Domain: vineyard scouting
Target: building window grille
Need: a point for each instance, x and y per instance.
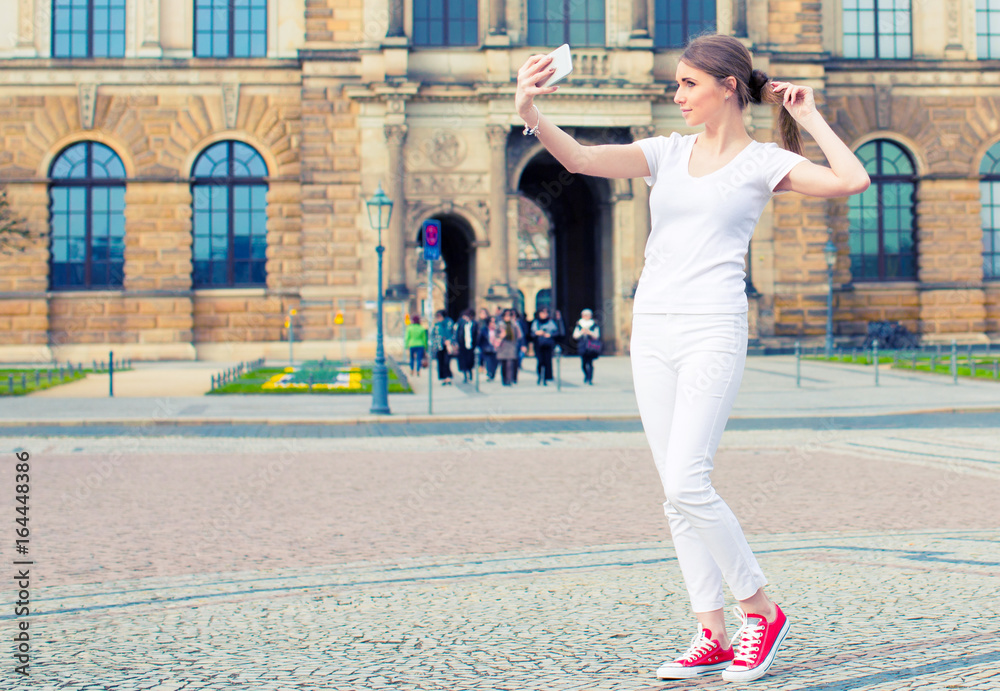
(445, 22)
(881, 219)
(988, 29)
(989, 188)
(230, 28)
(229, 192)
(88, 28)
(678, 21)
(87, 218)
(877, 29)
(576, 22)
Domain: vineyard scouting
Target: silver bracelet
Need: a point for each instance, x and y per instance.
(533, 131)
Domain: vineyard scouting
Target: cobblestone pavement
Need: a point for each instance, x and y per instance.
(497, 560)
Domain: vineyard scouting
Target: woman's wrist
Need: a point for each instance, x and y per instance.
(812, 121)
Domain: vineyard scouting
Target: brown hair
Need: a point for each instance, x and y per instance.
(724, 56)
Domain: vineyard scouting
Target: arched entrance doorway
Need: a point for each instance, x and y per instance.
(581, 242)
(458, 252)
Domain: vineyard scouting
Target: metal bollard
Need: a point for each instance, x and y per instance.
(50, 377)
(479, 364)
(38, 379)
(798, 365)
(310, 382)
(954, 361)
(10, 384)
(996, 369)
(875, 358)
(972, 367)
(111, 374)
(558, 352)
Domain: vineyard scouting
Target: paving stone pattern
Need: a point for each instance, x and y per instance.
(499, 561)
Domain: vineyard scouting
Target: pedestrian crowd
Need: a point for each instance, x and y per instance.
(502, 340)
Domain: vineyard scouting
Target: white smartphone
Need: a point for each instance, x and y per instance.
(562, 61)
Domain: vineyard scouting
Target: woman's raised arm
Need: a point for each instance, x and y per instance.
(605, 160)
(845, 176)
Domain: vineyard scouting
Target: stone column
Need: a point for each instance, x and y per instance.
(640, 19)
(498, 17)
(395, 19)
(497, 135)
(395, 135)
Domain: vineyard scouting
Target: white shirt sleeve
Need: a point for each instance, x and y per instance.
(657, 150)
(778, 164)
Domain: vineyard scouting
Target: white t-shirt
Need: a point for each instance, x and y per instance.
(701, 227)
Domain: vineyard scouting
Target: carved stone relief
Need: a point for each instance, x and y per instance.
(231, 103)
(88, 103)
(445, 184)
(445, 149)
(883, 106)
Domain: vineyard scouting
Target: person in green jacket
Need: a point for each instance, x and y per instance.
(416, 341)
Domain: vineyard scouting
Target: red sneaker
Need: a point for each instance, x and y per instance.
(703, 657)
(755, 645)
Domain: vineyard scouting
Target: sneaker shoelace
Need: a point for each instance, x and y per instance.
(748, 638)
(700, 645)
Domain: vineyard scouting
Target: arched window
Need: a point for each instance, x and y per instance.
(230, 29)
(87, 215)
(882, 232)
(989, 188)
(676, 21)
(445, 22)
(88, 28)
(229, 190)
(576, 22)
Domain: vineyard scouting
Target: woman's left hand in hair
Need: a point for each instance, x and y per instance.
(798, 100)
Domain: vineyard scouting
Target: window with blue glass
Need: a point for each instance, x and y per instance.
(988, 29)
(229, 190)
(989, 197)
(230, 28)
(881, 219)
(87, 218)
(576, 22)
(877, 29)
(677, 21)
(445, 22)
(88, 28)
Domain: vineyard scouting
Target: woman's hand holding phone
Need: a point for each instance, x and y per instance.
(536, 69)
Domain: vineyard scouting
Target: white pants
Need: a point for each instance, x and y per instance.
(687, 370)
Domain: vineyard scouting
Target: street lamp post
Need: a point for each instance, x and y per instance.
(379, 213)
(830, 255)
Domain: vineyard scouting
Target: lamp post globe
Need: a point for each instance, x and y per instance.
(830, 255)
(379, 213)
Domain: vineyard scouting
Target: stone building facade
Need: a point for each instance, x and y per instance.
(335, 97)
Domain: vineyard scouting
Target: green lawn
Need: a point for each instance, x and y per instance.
(328, 378)
(985, 365)
(861, 358)
(29, 379)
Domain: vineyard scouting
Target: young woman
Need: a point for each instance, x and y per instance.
(689, 324)
(544, 330)
(587, 335)
(443, 335)
(416, 341)
(507, 337)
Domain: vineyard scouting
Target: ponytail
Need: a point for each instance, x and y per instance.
(761, 92)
